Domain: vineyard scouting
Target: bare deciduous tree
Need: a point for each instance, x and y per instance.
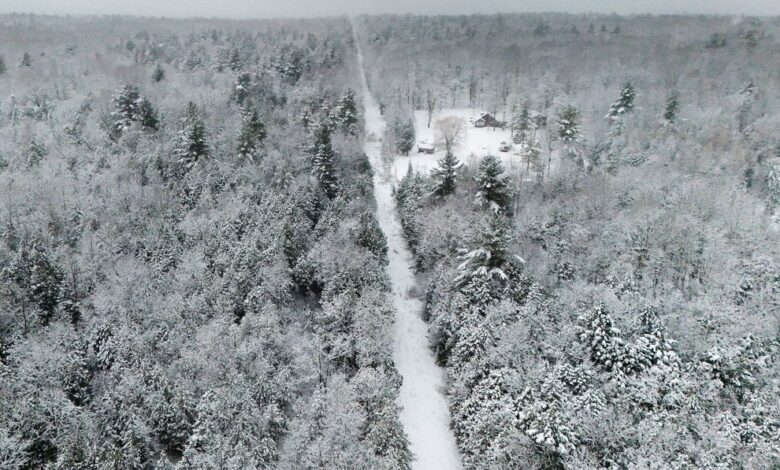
(430, 105)
(449, 131)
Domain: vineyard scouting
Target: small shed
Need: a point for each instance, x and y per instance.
(425, 147)
(486, 120)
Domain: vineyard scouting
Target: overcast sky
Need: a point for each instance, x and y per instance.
(276, 8)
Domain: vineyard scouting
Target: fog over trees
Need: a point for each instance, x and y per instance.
(193, 272)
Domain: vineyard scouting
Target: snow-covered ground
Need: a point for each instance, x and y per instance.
(425, 415)
(475, 144)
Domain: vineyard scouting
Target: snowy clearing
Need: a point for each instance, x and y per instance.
(475, 144)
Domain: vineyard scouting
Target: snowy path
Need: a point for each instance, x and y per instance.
(425, 416)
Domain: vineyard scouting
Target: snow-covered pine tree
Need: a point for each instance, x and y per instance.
(445, 174)
(490, 258)
(323, 160)
(384, 433)
(404, 134)
(36, 152)
(671, 107)
(370, 236)
(522, 123)
(654, 342)
(567, 124)
(624, 104)
(244, 441)
(241, 88)
(486, 416)
(601, 337)
(221, 60)
(191, 144)
(77, 375)
(2, 65)
(251, 136)
(494, 192)
(38, 276)
(75, 129)
(147, 115)
(345, 114)
(126, 104)
(543, 419)
(408, 196)
(234, 60)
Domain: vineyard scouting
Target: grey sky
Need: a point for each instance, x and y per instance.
(276, 8)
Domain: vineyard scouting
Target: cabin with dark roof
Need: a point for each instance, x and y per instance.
(486, 120)
(425, 147)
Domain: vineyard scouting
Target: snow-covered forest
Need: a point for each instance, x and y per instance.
(210, 257)
(615, 303)
(192, 272)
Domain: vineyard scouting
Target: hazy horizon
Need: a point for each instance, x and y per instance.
(248, 9)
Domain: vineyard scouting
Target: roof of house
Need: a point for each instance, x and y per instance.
(424, 145)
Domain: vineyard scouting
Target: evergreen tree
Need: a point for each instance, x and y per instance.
(409, 195)
(38, 277)
(26, 60)
(77, 377)
(370, 236)
(159, 74)
(490, 258)
(2, 65)
(624, 103)
(616, 114)
(404, 134)
(251, 136)
(147, 115)
(521, 123)
(125, 109)
(323, 160)
(492, 183)
(241, 88)
(446, 174)
(672, 107)
(75, 129)
(36, 152)
(568, 127)
(345, 113)
(221, 60)
(191, 144)
(234, 60)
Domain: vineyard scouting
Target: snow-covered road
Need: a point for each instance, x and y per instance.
(425, 415)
